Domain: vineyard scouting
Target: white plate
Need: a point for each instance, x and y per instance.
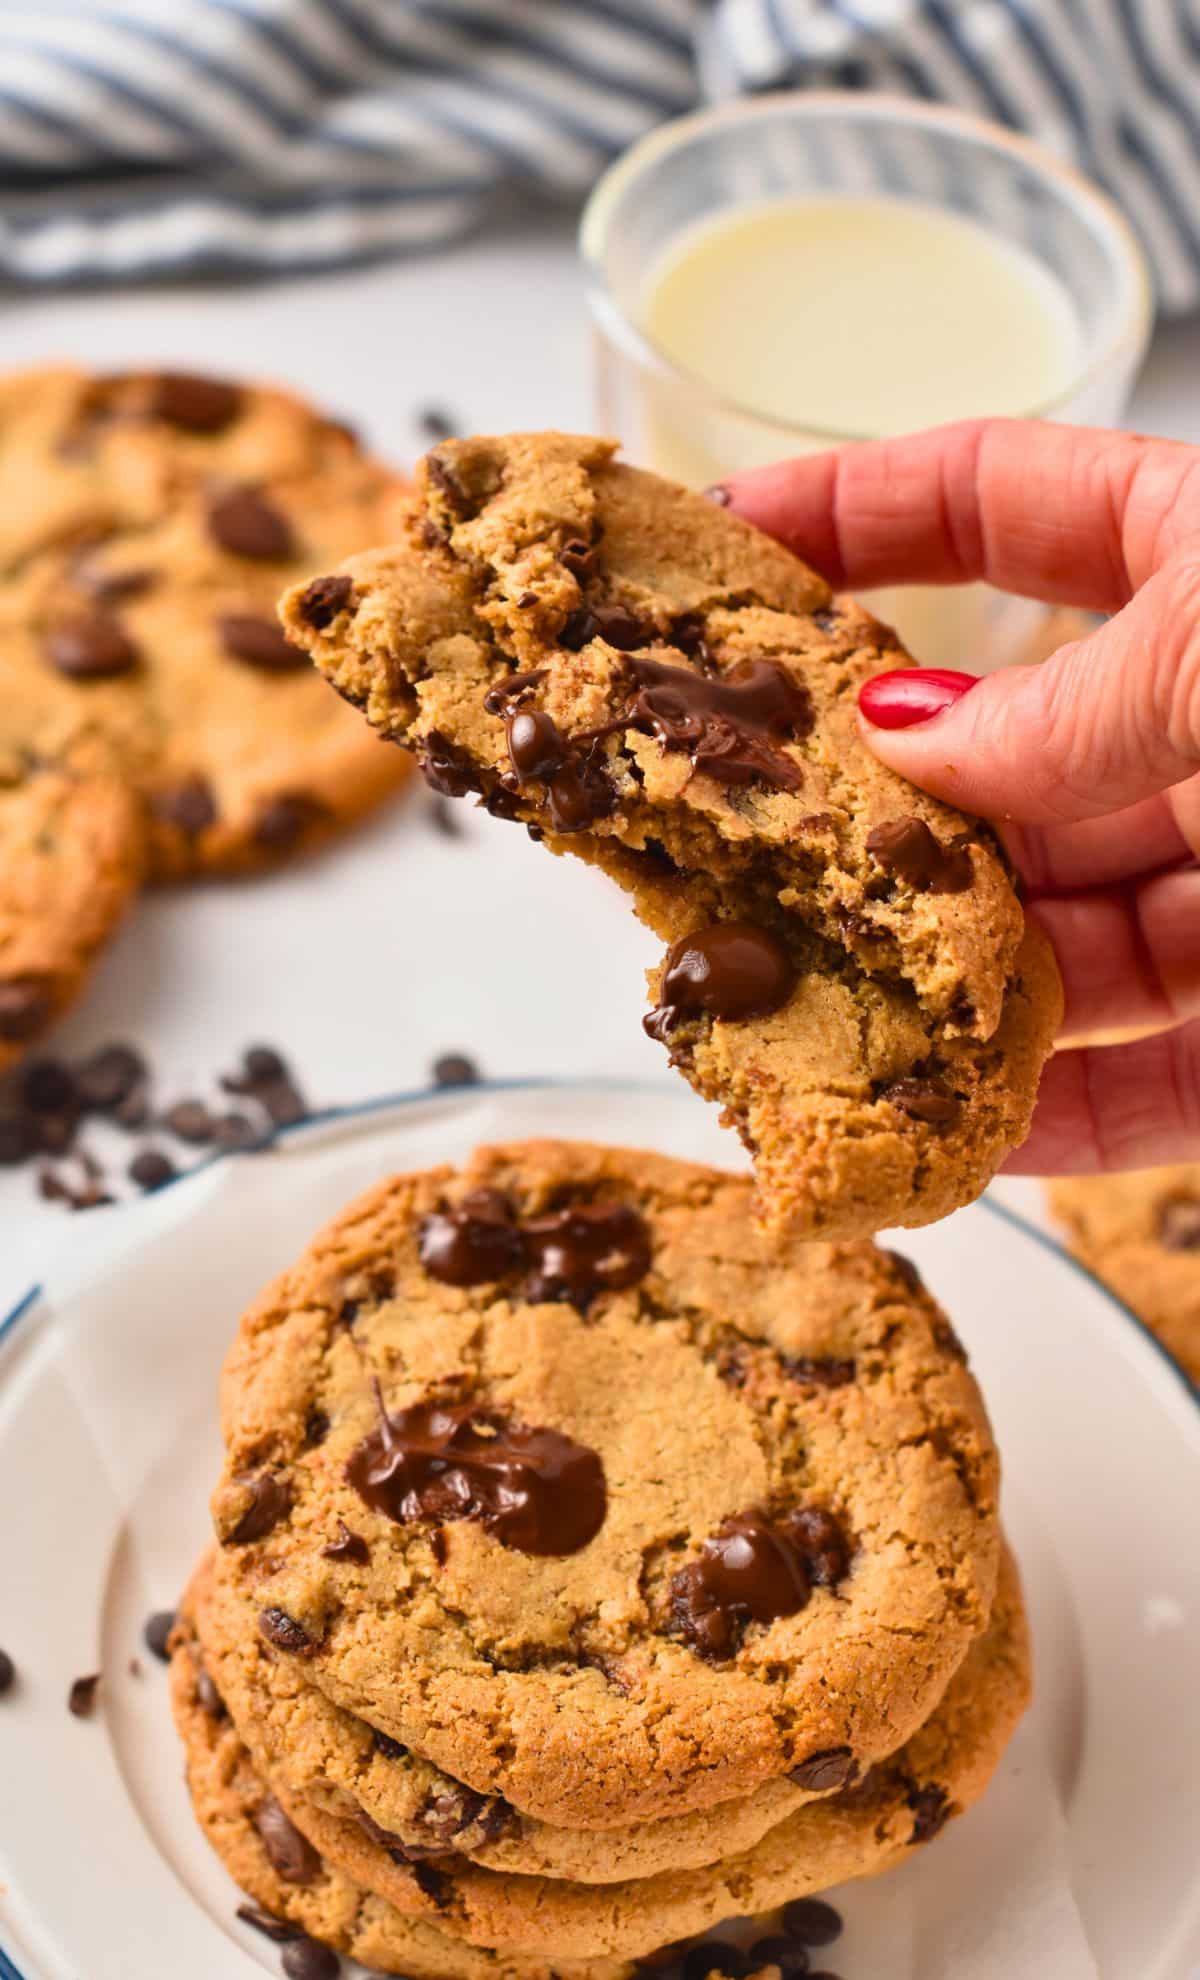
(108, 1448)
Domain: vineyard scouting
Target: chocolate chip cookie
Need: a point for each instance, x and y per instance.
(1140, 1233)
(870, 1826)
(556, 1470)
(157, 517)
(643, 680)
(70, 863)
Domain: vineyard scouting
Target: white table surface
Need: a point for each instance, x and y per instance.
(365, 963)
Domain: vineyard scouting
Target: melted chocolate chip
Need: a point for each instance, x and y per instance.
(755, 1569)
(284, 819)
(259, 643)
(536, 745)
(24, 1008)
(81, 1699)
(245, 523)
(906, 848)
(577, 790)
(835, 1767)
(284, 1631)
(1179, 1224)
(818, 1371)
(92, 648)
(726, 723)
(472, 1244)
(270, 1500)
(156, 1633)
(347, 1547)
(197, 405)
(611, 623)
(446, 768)
(324, 598)
(190, 807)
(499, 698)
(929, 1100)
(291, 1855)
(574, 1253)
(818, 1536)
(535, 1489)
(812, 1922)
(303, 1958)
(731, 970)
(932, 1809)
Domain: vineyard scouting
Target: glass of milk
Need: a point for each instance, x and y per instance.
(780, 275)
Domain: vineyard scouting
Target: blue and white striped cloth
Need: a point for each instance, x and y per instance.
(156, 137)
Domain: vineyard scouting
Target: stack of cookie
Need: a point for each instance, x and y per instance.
(591, 1569)
(154, 720)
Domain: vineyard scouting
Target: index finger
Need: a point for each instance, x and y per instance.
(1066, 514)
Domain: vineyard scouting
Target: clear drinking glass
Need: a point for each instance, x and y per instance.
(820, 144)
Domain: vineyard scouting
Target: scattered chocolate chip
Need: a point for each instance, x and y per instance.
(776, 1950)
(198, 405)
(191, 1121)
(307, 1959)
(260, 643)
(270, 1499)
(455, 1069)
(929, 1100)
(48, 1087)
(190, 806)
(18, 1139)
(208, 1697)
(437, 424)
(150, 1169)
(818, 1371)
(54, 1133)
(277, 1929)
(233, 1131)
(55, 1189)
(284, 819)
(244, 522)
(836, 1767)
(81, 1699)
(1179, 1224)
(932, 1809)
(92, 648)
(109, 1076)
(324, 598)
(347, 1547)
(907, 849)
(24, 1008)
(390, 1748)
(812, 1922)
(291, 1855)
(157, 1629)
(284, 1631)
(8, 1673)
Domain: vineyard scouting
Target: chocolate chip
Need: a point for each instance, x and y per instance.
(818, 1535)
(932, 1809)
(8, 1673)
(455, 1069)
(776, 1950)
(277, 1929)
(109, 1076)
(536, 746)
(198, 405)
(113, 587)
(150, 1169)
(208, 1697)
(347, 1547)
(47, 1087)
(157, 1629)
(247, 524)
(906, 848)
(263, 1063)
(270, 1500)
(307, 1959)
(437, 424)
(434, 1884)
(835, 1767)
(929, 1100)
(284, 1104)
(324, 598)
(24, 1008)
(191, 1121)
(818, 1371)
(284, 819)
(731, 970)
(285, 1632)
(812, 1922)
(316, 1428)
(81, 1699)
(92, 648)
(611, 623)
(1179, 1224)
(260, 643)
(390, 1748)
(291, 1855)
(233, 1131)
(446, 768)
(447, 484)
(578, 558)
(439, 1546)
(190, 806)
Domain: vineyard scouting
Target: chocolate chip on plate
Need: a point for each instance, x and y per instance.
(777, 1950)
(8, 1673)
(155, 1632)
(191, 1121)
(455, 1069)
(150, 1169)
(24, 1008)
(307, 1959)
(812, 1921)
(109, 1076)
(81, 1699)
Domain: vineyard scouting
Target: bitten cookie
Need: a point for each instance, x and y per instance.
(70, 863)
(557, 1471)
(150, 522)
(1140, 1233)
(868, 1828)
(646, 681)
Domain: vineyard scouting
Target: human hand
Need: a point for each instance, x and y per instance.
(1087, 763)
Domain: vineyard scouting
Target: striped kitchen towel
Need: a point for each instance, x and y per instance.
(156, 137)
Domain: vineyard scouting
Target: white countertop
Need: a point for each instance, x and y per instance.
(399, 944)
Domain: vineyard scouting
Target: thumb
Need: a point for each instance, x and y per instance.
(1106, 721)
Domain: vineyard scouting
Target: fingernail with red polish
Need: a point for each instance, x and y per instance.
(912, 694)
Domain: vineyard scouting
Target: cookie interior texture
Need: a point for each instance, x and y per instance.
(647, 682)
(147, 523)
(706, 1373)
(1140, 1234)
